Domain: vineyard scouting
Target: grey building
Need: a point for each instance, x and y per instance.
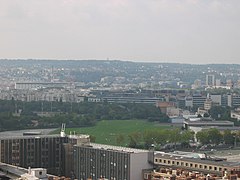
(116, 163)
(206, 165)
(40, 85)
(207, 123)
(210, 80)
(226, 100)
(44, 151)
(236, 100)
(147, 100)
(198, 100)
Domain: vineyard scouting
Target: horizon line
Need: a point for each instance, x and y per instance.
(122, 60)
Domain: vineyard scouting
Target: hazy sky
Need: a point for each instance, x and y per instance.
(189, 31)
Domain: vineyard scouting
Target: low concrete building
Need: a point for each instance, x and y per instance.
(195, 162)
(8, 171)
(207, 123)
(164, 106)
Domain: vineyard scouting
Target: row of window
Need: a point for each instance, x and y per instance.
(188, 164)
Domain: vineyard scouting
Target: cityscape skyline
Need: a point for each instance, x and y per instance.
(147, 89)
(188, 31)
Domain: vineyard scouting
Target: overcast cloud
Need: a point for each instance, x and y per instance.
(186, 31)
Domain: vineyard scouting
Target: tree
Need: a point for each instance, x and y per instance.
(92, 139)
(214, 135)
(120, 139)
(202, 136)
(186, 136)
(175, 136)
(209, 136)
(218, 112)
(162, 136)
(228, 137)
(149, 138)
(134, 139)
(206, 115)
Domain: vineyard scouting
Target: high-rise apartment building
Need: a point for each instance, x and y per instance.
(210, 80)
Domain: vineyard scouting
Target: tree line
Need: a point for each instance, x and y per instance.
(157, 138)
(176, 138)
(216, 137)
(73, 114)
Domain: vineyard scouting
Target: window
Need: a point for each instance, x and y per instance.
(205, 167)
(196, 166)
(191, 165)
(177, 163)
(186, 164)
(215, 168)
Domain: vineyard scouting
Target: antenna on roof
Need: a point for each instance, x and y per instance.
(62, 133)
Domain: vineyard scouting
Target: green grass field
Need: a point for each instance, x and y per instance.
(106, 131)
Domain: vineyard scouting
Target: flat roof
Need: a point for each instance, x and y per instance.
(28, 136)
(18, 171)
(201, 122)
(116, 148)
(198, 160)
(19, 133)
(234, 128)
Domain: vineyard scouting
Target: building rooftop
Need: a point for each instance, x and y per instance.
(15, 172)
(207, 123)
(28, 136)
(116, 148)
(42, 83)
(211, 161)
(26, 131)
(222, 128)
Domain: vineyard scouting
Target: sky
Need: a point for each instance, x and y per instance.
(182, 31)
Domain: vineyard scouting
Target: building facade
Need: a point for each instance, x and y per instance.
(204, 165)
(34, 151)
(210, 80)
(198, 100)
(96, 161)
